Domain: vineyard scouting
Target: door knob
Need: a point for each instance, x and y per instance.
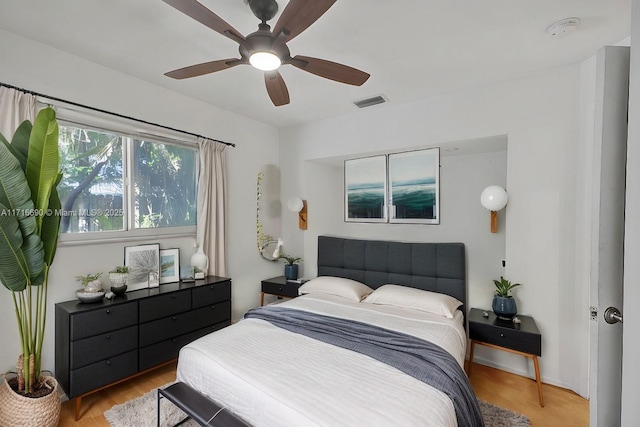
(612, 315)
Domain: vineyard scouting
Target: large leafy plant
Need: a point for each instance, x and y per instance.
(29, 228)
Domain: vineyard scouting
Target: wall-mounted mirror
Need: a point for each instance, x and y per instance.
(268, 211)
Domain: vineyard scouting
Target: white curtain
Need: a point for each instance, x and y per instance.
(15, 108)
(212, 198)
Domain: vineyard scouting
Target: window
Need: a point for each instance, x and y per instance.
(117, 183)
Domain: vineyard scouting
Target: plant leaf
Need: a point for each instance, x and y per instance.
(13, 268)
(43, 159)
(51, 224)
(15, 197)
(20, 143)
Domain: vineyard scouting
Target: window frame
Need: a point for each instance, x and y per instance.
(129, 132)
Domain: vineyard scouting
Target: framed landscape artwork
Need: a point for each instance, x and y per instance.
(144, 266)
(365, 182)
(169, 265)
(414, 187)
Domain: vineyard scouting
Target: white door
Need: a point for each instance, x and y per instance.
(608, 233)
(631, 311)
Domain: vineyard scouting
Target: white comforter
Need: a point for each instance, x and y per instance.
(274, 378)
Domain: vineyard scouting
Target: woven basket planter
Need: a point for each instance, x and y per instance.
(21, 411)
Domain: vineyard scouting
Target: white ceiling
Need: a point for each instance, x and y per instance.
(412, 48)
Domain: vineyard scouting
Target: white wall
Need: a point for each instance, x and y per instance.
(462, 179)
(540, 116)
(36, 67)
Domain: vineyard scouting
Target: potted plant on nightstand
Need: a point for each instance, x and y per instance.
(290, 266)
(29, 225)
(504, 305)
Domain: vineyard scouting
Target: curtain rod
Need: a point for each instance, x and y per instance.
(111, 113)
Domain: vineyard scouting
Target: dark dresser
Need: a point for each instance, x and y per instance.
(103, 343)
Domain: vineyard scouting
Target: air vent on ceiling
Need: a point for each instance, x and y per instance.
(371, 101)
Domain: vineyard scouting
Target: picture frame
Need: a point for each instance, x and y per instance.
(414, 186)
(169, 265)
(365, 189)
(144, 266)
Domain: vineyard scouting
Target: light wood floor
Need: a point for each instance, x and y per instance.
(562, 407)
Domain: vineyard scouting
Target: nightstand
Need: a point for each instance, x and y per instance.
(280, 287)
(524, 340)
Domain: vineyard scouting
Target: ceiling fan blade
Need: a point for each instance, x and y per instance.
(330, 70)
(203, 15)
(204, 68)
(276, 88)
(298, 15)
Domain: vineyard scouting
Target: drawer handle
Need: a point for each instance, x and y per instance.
(173, 297)
(213, 307)
(280, 288)
(173, 318)
(173, 340)
(108, 362)
(108, 311)
(108, 337)
(502, 335)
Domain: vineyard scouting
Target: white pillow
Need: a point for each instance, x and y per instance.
(346, 288)
(416, 299)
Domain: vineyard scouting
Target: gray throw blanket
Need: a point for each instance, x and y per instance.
(421, 359)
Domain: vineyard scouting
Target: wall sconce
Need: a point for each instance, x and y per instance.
(296, 204)
(494, 198)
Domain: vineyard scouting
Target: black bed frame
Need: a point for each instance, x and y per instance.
(436, 267)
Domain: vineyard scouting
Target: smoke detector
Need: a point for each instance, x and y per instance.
(563, 27)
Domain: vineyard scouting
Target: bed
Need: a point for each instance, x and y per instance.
(330, 357)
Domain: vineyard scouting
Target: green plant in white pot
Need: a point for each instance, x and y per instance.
(29, 227)
(118, 277)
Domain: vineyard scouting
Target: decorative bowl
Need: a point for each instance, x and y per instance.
(119, 290)
(89, 297)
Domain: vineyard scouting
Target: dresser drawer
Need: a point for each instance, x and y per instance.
(168, 349)
(211, 294)
(102, 373)
(285, 290)
(90, 350)
(99, 321)
(164, 305)
(173, 326)
(505, 337)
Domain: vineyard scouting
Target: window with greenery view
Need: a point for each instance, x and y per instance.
(97, 165)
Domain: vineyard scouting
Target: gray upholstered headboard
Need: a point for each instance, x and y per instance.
(436, 267)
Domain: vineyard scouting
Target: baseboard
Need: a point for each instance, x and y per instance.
(521, 372)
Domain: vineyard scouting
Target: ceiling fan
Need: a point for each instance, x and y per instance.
(265, 49)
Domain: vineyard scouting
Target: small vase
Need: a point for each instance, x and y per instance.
(200, 260)
(291, 271)
(504, 307)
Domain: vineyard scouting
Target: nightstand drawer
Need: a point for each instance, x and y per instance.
(285, 290)
(505, 337)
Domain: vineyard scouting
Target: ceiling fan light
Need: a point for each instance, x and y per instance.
(265, 61)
